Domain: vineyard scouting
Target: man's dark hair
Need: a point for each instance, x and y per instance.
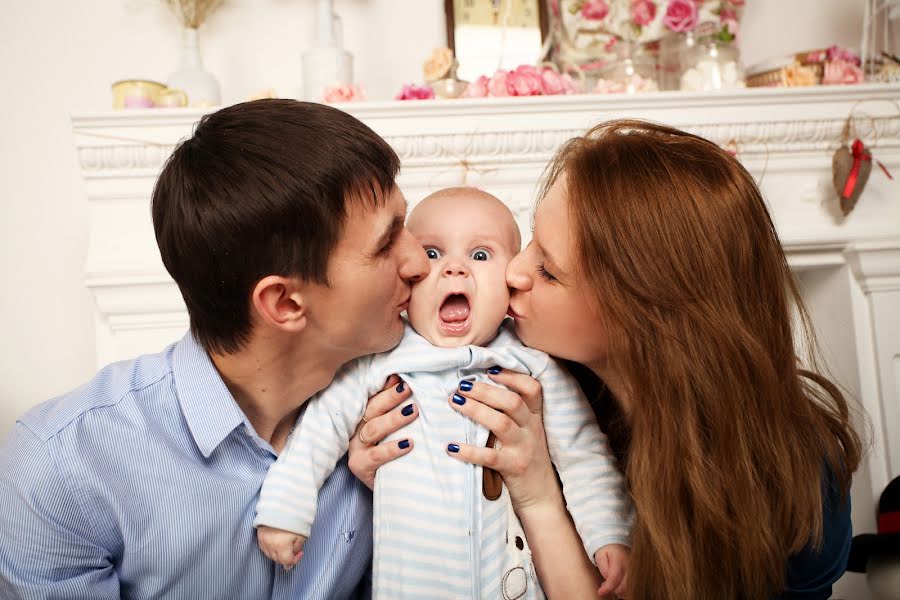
(261, 188)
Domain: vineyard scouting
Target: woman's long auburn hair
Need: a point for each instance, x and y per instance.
(729, 436)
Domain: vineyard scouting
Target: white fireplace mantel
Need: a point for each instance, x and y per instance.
(785, 138)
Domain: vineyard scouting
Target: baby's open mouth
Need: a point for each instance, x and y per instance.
(454, 314)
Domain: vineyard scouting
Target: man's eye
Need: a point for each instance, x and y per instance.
(432, 253)
(480, 254)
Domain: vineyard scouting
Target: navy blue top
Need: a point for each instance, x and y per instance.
(810, 573)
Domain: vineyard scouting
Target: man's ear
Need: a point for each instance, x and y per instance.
(279, 302)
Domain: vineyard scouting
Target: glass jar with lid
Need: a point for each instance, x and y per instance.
(632, 72)
(712, 65)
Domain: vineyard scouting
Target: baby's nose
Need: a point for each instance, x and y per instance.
(455, 269)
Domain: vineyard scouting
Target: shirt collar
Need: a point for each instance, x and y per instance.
(208, 407)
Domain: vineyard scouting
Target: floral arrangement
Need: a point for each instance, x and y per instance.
(524, 80)
(411, 91)
(648, 20)
(343, 92)
(193, 13)
(840, 66)
(439, 64)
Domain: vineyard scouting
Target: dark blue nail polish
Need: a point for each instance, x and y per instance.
(452, 447)
(494, 370)
(465, 386)
(400, 387)
(407, 410)
(459, 399)
(404, 444)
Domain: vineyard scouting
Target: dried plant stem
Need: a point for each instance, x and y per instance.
(193, 13)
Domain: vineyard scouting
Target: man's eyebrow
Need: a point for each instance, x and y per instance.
(392, 228)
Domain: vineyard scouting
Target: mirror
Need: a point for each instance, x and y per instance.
(487, 35)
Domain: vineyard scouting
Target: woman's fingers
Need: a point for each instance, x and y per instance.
(386, 412)
(486, 457)
(484, 414)
(505, 401)
(528, 388)
(377, 428)
(392, 393)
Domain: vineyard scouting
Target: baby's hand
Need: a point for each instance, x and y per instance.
(612, 560)
(282, 546)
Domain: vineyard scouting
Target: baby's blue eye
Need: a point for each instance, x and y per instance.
(480, 254)
(432, 253)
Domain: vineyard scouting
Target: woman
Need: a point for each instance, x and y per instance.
(656, 267)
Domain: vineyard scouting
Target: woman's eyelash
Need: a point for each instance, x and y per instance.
(544, 273)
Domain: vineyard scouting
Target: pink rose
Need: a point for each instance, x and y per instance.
(595, 10)
(497, 85)
(570, 85)
(643, 11)
(838, 53)
(525, 80)
(415, 92)
(841, 72)
(343, 93)
(737, 2)
(681, 15)
(552, 82)
(731, 25)
(727, 14)
(477, 89)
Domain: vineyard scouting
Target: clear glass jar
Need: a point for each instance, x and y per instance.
(712, 65)
(674, 52)
(632, 72)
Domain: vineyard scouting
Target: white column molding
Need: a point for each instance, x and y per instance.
(875, 267)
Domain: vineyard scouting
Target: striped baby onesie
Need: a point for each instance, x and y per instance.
(436, 536)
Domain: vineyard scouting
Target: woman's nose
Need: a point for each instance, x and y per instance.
(517, 276)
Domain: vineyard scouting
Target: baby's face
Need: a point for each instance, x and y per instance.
(470, 237)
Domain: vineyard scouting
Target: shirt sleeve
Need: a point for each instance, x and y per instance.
(593, 486)
(290, 491)
(46, 550)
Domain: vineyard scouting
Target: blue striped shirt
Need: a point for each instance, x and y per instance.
(143, 484)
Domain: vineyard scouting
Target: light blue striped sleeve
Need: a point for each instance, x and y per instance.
(47, 548)
(290, 491)
(593, 486)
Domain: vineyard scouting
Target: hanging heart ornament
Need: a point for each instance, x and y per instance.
(850, 169)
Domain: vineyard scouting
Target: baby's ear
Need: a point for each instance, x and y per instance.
(280, 302)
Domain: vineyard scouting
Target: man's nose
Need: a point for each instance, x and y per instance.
(416, 265)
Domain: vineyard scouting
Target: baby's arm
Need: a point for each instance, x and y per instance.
(593, 487)
(289, 494)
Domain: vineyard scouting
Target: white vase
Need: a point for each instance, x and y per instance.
(326, 63)
(200, 85)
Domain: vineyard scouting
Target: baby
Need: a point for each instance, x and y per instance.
(436, 534)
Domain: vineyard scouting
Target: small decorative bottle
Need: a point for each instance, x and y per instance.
(200, 86)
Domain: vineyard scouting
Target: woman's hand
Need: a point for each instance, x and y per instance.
(384, 415)
(515, 416)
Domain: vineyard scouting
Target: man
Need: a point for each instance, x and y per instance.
(281, 223)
